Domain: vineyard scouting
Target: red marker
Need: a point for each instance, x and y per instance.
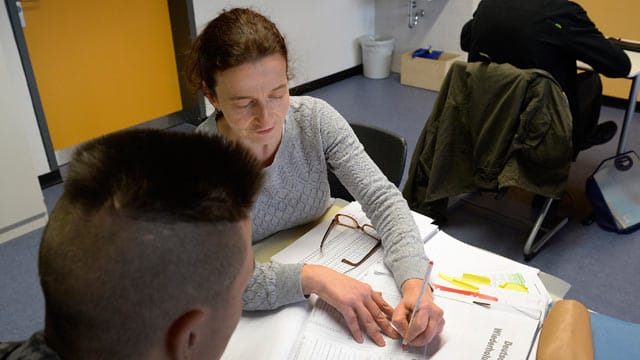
(465, 292)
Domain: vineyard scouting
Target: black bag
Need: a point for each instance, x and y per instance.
(614, 193)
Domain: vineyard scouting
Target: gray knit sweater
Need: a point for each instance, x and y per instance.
(296, 191)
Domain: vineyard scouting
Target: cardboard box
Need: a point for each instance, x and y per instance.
(426, 73)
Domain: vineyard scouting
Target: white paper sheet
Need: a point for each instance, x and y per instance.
(267, 334)
(288, 333)
(343, 243)
(471, 332)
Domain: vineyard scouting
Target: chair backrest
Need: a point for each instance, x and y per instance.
(386, 149)
(492, 126)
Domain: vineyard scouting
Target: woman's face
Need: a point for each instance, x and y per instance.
(254, 100)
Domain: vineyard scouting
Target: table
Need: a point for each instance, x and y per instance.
(271, 334)
(634, 76)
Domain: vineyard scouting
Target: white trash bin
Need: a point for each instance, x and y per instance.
(376, 55)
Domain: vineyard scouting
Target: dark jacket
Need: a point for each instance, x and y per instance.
(549, 35)
(541, 34)
(35, 348)
(492, 126)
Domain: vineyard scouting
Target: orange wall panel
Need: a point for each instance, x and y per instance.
(101, 66)
(617, 19)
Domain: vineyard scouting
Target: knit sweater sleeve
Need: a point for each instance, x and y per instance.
(272, 285)
(380, 199)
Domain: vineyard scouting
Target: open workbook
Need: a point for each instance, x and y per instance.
(474, 330)
(509, 306)
(343, 242)
(493, 306)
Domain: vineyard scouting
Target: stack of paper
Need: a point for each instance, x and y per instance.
(501, 325)
(343, 242)
(498, 320)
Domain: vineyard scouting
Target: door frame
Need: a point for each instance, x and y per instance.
(18, 34)
(183, 31)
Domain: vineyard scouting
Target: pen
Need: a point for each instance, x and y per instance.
(481, 303)
(425, 283)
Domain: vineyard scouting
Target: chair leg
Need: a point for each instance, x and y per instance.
(538, 234)
(535, 242)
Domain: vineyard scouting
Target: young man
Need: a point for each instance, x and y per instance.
(550, 35)
(148, 251)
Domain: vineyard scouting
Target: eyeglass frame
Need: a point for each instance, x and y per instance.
(336, 221)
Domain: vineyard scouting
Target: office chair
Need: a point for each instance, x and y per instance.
(494, 126)
(386, 149)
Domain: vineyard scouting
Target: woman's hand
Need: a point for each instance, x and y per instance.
(358, 303)
(428, 321)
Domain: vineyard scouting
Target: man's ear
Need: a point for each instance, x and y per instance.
(184, 334)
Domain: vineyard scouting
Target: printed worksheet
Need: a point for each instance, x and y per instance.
(498, 319)
(474, 330)
(343, 243)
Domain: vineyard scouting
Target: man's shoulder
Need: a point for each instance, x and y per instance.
(35, 348)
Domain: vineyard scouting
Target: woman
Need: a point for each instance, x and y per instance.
(240, 61)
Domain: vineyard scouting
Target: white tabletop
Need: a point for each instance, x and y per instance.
(634, 56)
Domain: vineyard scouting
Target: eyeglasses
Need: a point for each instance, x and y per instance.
(350, 222)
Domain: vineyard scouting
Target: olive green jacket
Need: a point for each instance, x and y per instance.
(492, 126)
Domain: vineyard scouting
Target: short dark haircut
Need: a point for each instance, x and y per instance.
(233, 38)
(147, 226)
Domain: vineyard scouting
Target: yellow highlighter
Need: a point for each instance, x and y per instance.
(476, 279)
(459, 282)
(514, 287)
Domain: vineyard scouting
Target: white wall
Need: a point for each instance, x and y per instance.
(440, 27)
(22, 207)
(321, 35)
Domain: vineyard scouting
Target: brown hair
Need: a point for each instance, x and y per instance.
(235, 37)
(149, 224)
